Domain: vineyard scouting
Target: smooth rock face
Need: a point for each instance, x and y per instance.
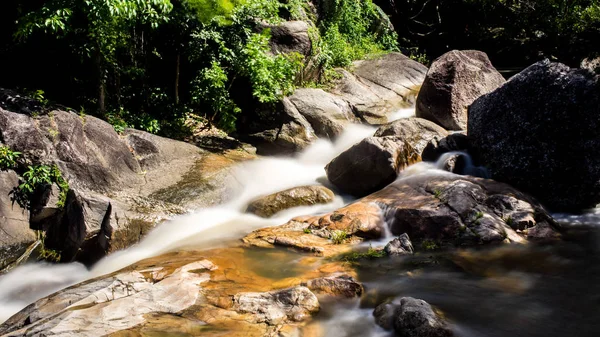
(453, 82)
(370, 165)
(411, 317)
(104, 306)
(326, 113)
(342, 285)
(540, 132)
(399, 246)
(15, 234)
(268, 205)
(417, 132)
(293, 304)
(291, 36)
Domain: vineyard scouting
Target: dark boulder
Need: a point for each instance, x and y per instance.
(370, 165)
(453, 82)
(291, 36)
(540, 132)
(399, 246)
(411, 317)
(417, 132)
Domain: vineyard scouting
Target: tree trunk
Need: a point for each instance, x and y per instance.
(177, 70)
(101, 85)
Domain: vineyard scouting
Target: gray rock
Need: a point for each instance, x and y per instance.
(416, 318)
(370, 165)
(15, 234)
(283, 131)
(540, 133)
(417, 132)
(291, 36)
(591, 64)
(456, 142)
(453, 82)
(326, 113)
(276, 307)
(399, 246)
(268, 205)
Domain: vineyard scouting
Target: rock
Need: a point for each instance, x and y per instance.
(326, 113)
(417, 132)
(393, 71)
(15, 234)
(268, 205)
(276, 307)
(399, 246)
(591, 64)
(12, 101)
(107, 305)
(370, 165)
(342, 285)
(540, 133)
(440, 209)
(84, 231)
(456, 142)
(453, 82)
(412, 317)
(291, 36)
(282, 131)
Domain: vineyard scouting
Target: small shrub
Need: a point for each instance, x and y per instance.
(429, 245)
(37, 176)
(338, 237)
(437, 194)
(8, 158)
(370, 254)
(307, 231)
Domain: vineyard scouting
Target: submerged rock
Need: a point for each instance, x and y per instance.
(540, 132)
(268, 205)
(342, 285)
(453, 82)
(411, 317)
(370, 165)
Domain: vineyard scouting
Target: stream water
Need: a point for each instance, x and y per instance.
(529, 290)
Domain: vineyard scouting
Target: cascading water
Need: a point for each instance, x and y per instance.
(204, 228)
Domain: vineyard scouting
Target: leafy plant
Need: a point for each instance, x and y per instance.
(370, 254)
(8, 158)
(37, 176)
(429, 244)
(45, 253)
(338, 237)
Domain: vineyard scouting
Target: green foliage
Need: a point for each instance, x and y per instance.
(40, 96)
(429, 245)
(349, 32)
(509, 221)
(45, 253)
(38, 176)
(437, 193)
(272, 76)
(338, 237)
(370, 254)
(8, 158)
(307, 231)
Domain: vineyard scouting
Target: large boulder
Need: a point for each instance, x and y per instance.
(326, 113)
(291, 36)
(417, 132)
(282, 131)
(411, 317)
(15, 234)
(540, 132)
(370, 165)
(453, 82)
(268, 205)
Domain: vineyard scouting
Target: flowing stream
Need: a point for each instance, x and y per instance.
(513, 290)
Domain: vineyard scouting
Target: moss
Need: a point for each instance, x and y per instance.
(429, 245)
(130, 234)
(370, 254)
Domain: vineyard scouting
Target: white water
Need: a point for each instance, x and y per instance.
(205, 228)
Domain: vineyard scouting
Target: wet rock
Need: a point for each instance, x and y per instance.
(370, 165)
(268, 205)
(411, 317)
(342, 285)
(456, 142)
(542, 127)
(104, 306)
(453, 82)
(360, 219)
(276, 307)
(417, 132)
(399, 246)
(591, 64)
(290, 36)
(15, 233)
(326, 113)
(439, 209)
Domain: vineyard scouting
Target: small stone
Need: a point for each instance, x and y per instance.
(399, 246)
